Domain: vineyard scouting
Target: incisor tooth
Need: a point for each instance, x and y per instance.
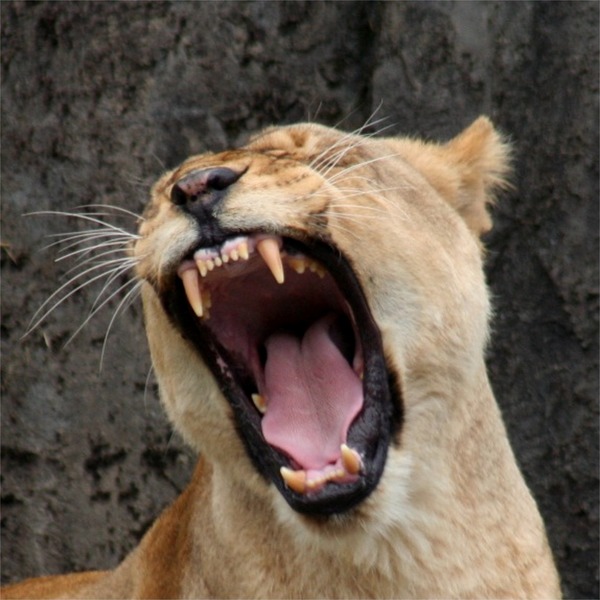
(243, 250)
(268, 248)
(210, 265)
(260, 403)
(218, 261)
(193, 291)
(350, 460)
(234, 255)
(295, 480)
(202, 267)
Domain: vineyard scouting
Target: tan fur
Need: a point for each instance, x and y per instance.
(452, 516)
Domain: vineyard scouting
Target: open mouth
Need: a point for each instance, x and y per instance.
(286, 330)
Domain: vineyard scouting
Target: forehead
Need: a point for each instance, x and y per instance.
(280, 148)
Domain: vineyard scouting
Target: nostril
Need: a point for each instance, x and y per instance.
(178, 196)
(198, 185)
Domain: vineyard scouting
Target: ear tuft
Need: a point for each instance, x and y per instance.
(481, 160)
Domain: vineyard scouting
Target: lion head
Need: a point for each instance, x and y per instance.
(308, 294)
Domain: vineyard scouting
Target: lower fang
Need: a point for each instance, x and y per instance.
(260, 403)
(295, 480)
(351, 460)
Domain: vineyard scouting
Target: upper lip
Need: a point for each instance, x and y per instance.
(209, 275)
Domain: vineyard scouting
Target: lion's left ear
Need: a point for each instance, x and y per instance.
(480, 159)
(466, 171)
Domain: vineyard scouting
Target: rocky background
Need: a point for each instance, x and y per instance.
(98, 98)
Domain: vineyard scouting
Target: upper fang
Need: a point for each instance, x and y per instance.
(193, 291)
(268, 248)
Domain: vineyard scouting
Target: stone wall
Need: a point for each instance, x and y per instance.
(98, 98)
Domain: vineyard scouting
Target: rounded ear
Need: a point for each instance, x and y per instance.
(466, 172)
(481, 160)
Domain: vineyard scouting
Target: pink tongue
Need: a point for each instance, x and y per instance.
(312, 395)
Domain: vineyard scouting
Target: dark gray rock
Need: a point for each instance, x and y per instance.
(98, 98)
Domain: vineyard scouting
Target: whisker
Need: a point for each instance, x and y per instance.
(103, 263)
(83, 236)
(68, 235)
(83, 217)
(97, 308)
(147, 384)
(130, 297)
(359, 207)
(87, 249)
(115, 208)
(109, 282)
(36, 320)
(358, 138)
(74, 244)
(351, 168)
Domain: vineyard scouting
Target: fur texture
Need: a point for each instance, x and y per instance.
(451, 515)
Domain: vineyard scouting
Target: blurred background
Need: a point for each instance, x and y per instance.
(98, 98)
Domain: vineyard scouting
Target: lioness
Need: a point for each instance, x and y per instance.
(317, 317)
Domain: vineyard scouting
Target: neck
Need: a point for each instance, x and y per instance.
(450, 478)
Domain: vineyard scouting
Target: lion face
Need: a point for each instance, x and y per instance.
(304, 293)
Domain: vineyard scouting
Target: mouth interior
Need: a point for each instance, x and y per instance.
(284, 341)
(312, 392)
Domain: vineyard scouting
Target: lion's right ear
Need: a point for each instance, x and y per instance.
(481, 160)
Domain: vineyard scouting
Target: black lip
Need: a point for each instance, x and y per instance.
(371, 431)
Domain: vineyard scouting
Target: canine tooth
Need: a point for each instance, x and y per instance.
(295, 480)
(202, 267)
(260, 403)
(193, 291)
(268, 248)
(350, 460)
(243, 250)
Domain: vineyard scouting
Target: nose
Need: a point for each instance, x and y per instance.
(200, 191)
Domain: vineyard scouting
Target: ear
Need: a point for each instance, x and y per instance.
(481, 160)
(466, 171)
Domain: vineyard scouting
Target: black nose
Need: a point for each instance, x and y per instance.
(201, 190)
